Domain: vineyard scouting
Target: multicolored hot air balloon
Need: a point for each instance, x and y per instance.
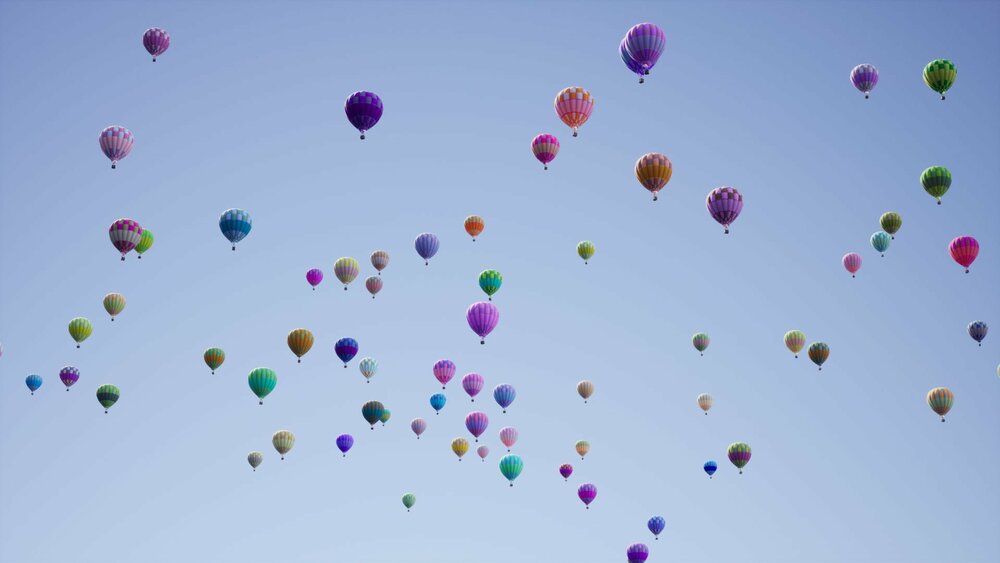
(380, 259)
(940, 399)
(705, 402)
(653, 170)
(585, 389)
(346, 349)
(156, 41)
(631, 63)
(724, 205)
(710, 467)
(545, 147)
(574, 106)
(818, 353)
(346, 269)
(482, 317)
(145, 243)
(490, 282)
(368, 367)
(300, 341)
(314, 277)
(508, 436)
(964, 250)
(476, 423)
(586, 250)
(936, 181)
(235, 225)
(427, 246)
(255, 458)
(114, 303)
(939, 75)
(511, 466)
(214, 358)
(438, 401)
(418, 426)
(386, 415)
(372, 412)
(344, 443)
(795, 341)
(656, 524)
(409, 499)
(116, 142)
(566, 470)
(891, 222)
(644, 43)
(880, 242)
(444, 370)
(864, 77)
(374, 285)
(637, 553)
(460, 446)
(852, 262)
(108, 395)
(700, 341)
(474, 225)
(125, 234)
(978, 330)
(504, 394)
(582, 447)
(482, 452)
(262, 381)
(69, 375)
(283, 440)
(34, 382)
(587, 493)
(473, 383)
(739, 455)
(363, 110)
(80, 329)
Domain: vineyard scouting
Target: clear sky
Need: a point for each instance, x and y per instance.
(245, 110)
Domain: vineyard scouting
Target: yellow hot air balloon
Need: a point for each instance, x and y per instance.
(80, 329)
(300, 341)
(585, 388)
(582, 447)
(460, 446)
(795, 341)
(653, 170)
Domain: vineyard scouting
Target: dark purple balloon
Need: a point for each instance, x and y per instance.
(314, 276)
(566, 470)
(427, 246)
(483, 318)
(344, 443)
(724, 204)
(346, 349)
(363, 110)
(587, 493)
(156, 41)
(637, 553)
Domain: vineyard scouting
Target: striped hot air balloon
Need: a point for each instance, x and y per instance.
(474, 225)
(460, 446)
(372, 412)
(795, 341)
(374, 285)
(653, 170)
(582, 447)
(368, 367)
(314, 277)
(283, 441)
(504, 394)
(508, 436)
(214, 358)
(818, 353)
(344, 443)
(80, 329)
(739, 455)
(587, 493)
(637, 553)
(116, 143)
(443, 371)
(125, 234)
(864, 77)
(978, 330)
(644, 43)
(409, 499)
(940, 399)
(586, 250)
(482, 317)
(418, 426)
(472, 384)
(255, 458)
(380, 259)
(566, 470)
(427, 245)
(511, 467)
(108, 395)
(300, 341)
(936, 181)
(476, 423)
(482, 452)
(573, 106)
(880, 242)
(490, 282)
(114, 303)
(34, 382)
(145, 243)
(346, 349)
(852, 263)
(585, 389)
(964, 250)
(346, 269)
(262, 381)
(939, 75)
(705, 402)
(156, 41)
(700, 341)
(545, 147)
(891, 222)
(235, 225)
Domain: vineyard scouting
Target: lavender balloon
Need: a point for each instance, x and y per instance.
(314, 277)
(363, 110)
(473, 383)
(427, 246)
(724, 204)
(637, 553)
(344, 443)
(644, 43)
(483, 318)
(864, 77)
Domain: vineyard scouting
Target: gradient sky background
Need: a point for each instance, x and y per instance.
(245, 110)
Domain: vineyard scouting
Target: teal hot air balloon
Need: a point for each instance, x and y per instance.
(511, 466)
(262, 381)
(880, 242)
(490, 282)
(409, 499)
(372, 412)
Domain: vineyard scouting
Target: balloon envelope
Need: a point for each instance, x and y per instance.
(864, 77)
(482, 318)
(363, 110)
(156, 41)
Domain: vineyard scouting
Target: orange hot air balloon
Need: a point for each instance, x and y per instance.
(653, 170)
(474, 225)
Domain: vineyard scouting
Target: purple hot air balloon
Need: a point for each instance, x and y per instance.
(630, 62)
(344, 443)
(473, 384)
(724, 204)
(504, 394)
(116, 142)
(418, 425)
(314, 277)
(476, 423)
(156, 41)
(427, 246)
(644, 43)
(346, 349)
(864, 77)
(125, 234)
(69, 375)
(637, 553)
(483, 318)
(566, 470)
(587, 493)
(444, 370)
(363, 110)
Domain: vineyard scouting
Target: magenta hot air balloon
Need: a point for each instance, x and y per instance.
(476, 423)
(637, 553)
(418, 425)
(125, 234)
(964, 250)
(483, 318)
(116, 142)
(156, 41)
(473, 383)
(314, 277)
(545, 147)
(444, 370)
(852, 262)
(566, 470)
(508, 436)
(724, 205)
(587, 493)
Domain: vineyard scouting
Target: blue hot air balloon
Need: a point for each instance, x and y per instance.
(711, 467)
(504, 395)
(346, 349)
(656, 525)
(427, 246)
(978, 330)
(235, 225)
(437, 402)
(33, 381)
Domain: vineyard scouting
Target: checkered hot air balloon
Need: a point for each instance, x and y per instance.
(574, 106)
(116, 142)
(69, 375)
(235, 225)
(964, 251)
(978, 330)
(125, 234)
(724, 205)
(653, 170)
(156, 41)
(864, 77)
(637, 553)
(363, 110)
(545, 147)
(939, 75)
(566, 470)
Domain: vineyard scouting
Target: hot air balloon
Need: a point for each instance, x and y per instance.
(33, 381)
(283, 440)
(545, 148)
(145, 243)
(936, 181)
(476, 423)
(314, 277)
(344, 443)
(964, 251)
(739, 455)
(125, 234)
(346, 349)
(818, 353)
(880, 242)
(566, 470)
(978, 330)
(108, 395)
(444, 370)
(363, 110)
(262, 381)
(482, 317)
(69, 375)
(511, 466)
(939, 75)
(427, 246)
(255, 459)
(644, 43)
(582, 447)
(864, 77)
(474, 225)
(724, 205)
(631, 63)
(700, 342)
(460, 446)
(705, 402)
(710, 467)
(437, 402)
(656, 524)
(114, 303)
(418, 425)
(372, 412)
(504, 394)
(156, 41)
(587, 493)
(585, 389)
(508, 436)
(409, 499)
(116, 142)
(574, 106)
(795, 341)
(653, 170)
(380, 259)
(300, 341)
(80, 329)
(852, 262)
(891, 222)
(235, 225)
(346, 269)
(940, 399)
(214, 358)
(368, 367)
(374, 285)
(586, 250)
(473, 383)
(490, 282)
(482, 452)
(386, 415)
(637, 553)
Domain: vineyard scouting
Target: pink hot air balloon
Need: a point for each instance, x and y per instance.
(545, 147)
(508, 436)
(724, 204)
(566, 470)
(125, 234)
(444, 370)
(587, 493)
(852, 262)
(116, 142)
(476, 423)
(314, 277)
(473, 384)
(418, 425)
(483, 451)
(964, 251)
(483, 318)
(374, 285)
(574, 106)
(156, 41)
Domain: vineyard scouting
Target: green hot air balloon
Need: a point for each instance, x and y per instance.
(511, 466)
(108, 395)
(818, 353)
(386, 415)
(490, 282)
(214, 358)
(372, 411)
(409, 499)
(891, 222)
(144, 243)
(262, 381)
(936, 181)
(939, 75)
(586, 250)
(80, 328)
(739, 455)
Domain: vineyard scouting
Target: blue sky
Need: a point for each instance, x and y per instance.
(245, 110)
